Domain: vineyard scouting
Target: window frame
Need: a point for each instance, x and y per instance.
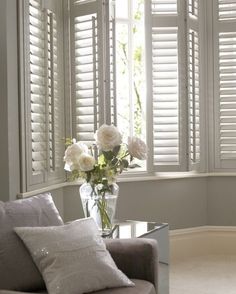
(183, 149)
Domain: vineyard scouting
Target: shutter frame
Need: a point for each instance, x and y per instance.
(161, 21)
(47, 174)
(100, 108)
(196, 121)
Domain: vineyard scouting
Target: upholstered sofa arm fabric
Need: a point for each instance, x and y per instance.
(137, 258)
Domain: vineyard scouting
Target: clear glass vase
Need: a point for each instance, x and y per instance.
(100, 206)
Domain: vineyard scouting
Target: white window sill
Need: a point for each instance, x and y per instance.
(134, 177)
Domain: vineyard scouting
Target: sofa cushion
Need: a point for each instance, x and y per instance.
(141, 287)
(18, 271)
(72, 258)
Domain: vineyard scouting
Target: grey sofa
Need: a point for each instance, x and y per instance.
(137, 258)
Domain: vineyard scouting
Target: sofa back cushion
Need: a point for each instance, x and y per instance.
(17, 269)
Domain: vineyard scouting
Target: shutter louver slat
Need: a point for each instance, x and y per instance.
(194, 101)
(166, 31)
(227, 95)
(44, 79)
(37, 84)
(91, 35)
(51, 38)
(193, 8)
(86, 81)
(227, 10)
(82, 1)
(164, 7)
(112, 68)
(165, 96)
(55, 94)
(195, 73)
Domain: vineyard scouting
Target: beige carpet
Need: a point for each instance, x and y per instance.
(211, 274)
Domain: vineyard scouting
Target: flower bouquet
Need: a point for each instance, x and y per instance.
(99, 165)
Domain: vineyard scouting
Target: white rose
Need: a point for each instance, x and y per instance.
(108, 137)
(86, 162)
(137, 148)
(72, 154)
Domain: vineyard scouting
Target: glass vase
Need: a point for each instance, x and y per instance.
(100, 206)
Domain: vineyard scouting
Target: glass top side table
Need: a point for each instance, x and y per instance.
(153, 230)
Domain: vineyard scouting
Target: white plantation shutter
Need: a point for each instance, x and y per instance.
(195, 83)
(38, 144)
(166, 70)
(92, 67)
(193, 7)
(110, 78)
(225, 86)
(166, 7)
(44, 92)
(227, 10)
(193, 93)
(165, 96)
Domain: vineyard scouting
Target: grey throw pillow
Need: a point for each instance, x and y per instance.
(17, 269)
(73, 258)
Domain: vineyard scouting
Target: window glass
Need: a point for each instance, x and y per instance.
(130, 69)
(122, 8)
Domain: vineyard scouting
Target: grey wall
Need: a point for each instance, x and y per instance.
(9, 120)
(180, 202)
(221, 201)
(4, 170)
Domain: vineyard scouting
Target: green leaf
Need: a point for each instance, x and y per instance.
(104, 181)
(116, 150)
(114, 161)
(125, 163)
(134, 165)
(108, 155)
(68, 141)
(101, 159)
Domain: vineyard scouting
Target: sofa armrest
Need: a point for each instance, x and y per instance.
(137, 258)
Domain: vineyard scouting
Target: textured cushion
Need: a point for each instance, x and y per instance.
(17, 269)
(141, 287)
(73, 258)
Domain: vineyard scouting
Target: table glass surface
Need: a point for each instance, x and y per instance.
(134, 229)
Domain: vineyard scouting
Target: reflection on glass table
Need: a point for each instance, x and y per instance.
(135, 229)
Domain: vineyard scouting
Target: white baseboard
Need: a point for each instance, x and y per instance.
(205, 240)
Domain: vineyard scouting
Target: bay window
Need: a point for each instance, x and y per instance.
(159, 70)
